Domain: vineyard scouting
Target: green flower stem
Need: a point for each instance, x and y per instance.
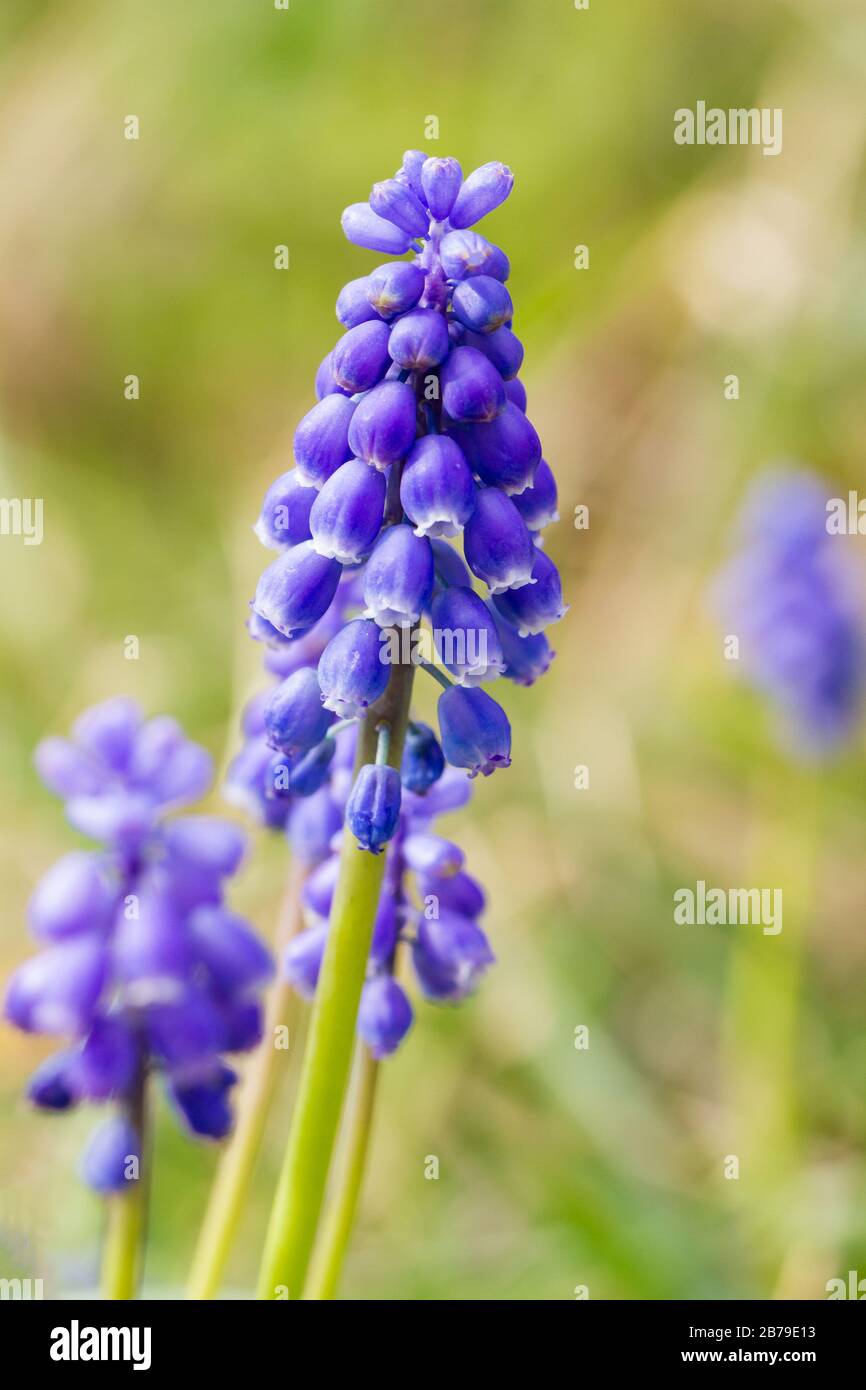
(123, 1249)
(328, 1056)
(235, 1170)
(762, 1017)
(339, 1218)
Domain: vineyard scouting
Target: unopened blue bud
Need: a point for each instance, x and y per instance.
(537, 505)
(473, 392)
(395, 287)
(480, 193)
(384, 1016)
(469, 253)
(353, 303)
(373, 808)
(419, 340)
(441, 180)
(383, 426)
(504, 452)
(467, 642)
(295, 719)
(396, 202)
(112, 1158)
(450, 955)
(502, 347)
(481, 304)
(364, 227)
(423, 760)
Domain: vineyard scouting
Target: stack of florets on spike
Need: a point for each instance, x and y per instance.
(420, 435)
(144, 968)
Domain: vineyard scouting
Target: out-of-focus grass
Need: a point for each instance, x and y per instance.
(558, 1167)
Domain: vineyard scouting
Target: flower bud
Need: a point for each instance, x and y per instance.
(472, 390)
(396, 202)
(112, 1157)
(496, 543)
(351, 672)
(203, 1104)
(423, 760)
(302, 961)
(537, 504)
(346, 516)
(361, 357)
(502, 347)
(384, 1016)
(436, 487)
(426, 853)
(419, 340)
(474, 729)
(364, 227)
(526, 658)
(58, 990)
(74, 896)
(312, 770)
(395, 287)
(516, 392)
(410, 172)
(469, 253)
(481, 304)
(504, 452)
(373, 808)
(458, 892)
(398, 579)
(321, 439)
(441, 180)
(295, 719)
(383, 426)
(285, 514)
(450, 955)
(537, 605)
(297, 589)
(467, 643)
(480, 193)
(353, 303)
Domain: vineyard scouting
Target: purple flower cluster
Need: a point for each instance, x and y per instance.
(143, 966)
(420, 434)
(790, 597)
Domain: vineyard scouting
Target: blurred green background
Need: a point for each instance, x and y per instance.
(559, 1167)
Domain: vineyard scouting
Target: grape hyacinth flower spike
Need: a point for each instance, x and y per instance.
(143, 969)
(419, 445)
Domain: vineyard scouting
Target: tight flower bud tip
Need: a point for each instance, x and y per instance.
(441, 180)
(480, 193)
(503, 348)
(450, 955)
(410, 172)
(467, 642)
(373, 808)
(74, 896)
(397, 203)
(505, 452)
(366, 228)
(537, 504)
